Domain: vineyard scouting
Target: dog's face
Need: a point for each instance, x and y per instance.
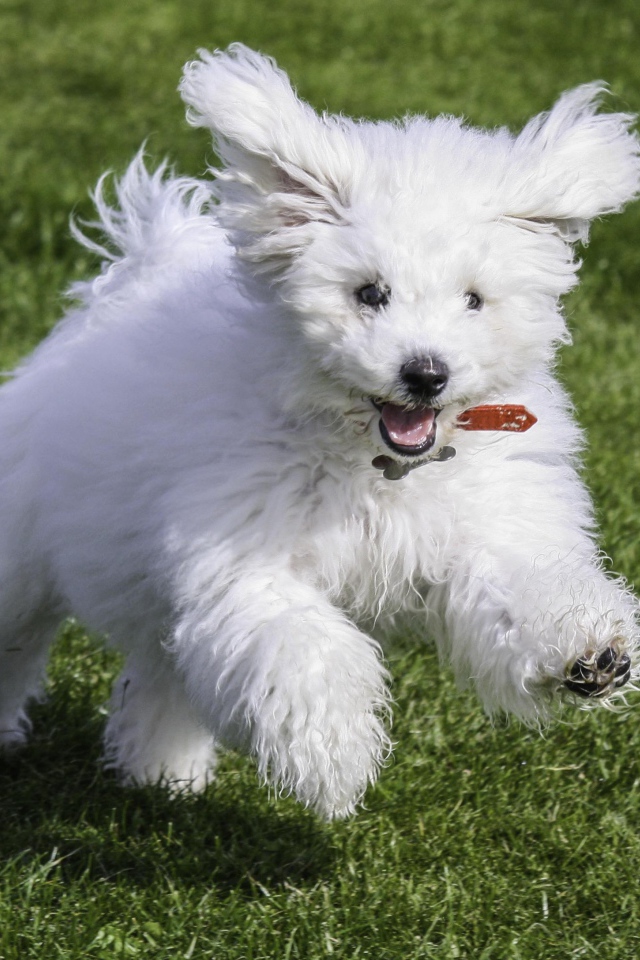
(422, 262)
(410, 318)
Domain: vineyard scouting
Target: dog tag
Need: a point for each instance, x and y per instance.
(392, 470)
(447, 453)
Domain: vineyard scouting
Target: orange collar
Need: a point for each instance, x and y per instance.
(512, 417)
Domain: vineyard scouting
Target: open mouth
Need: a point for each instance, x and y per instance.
(410, 431)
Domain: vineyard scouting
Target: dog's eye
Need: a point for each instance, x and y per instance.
(373, 295)
(473, 300)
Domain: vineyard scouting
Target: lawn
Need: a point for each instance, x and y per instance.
(480, 841)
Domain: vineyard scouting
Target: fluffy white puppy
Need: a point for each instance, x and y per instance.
(211, 460)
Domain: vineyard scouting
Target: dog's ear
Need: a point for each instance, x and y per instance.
(573, 164)
(283, 166)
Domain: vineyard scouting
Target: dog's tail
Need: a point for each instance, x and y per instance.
(149, 212)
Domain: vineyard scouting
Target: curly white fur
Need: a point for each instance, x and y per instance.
(186, 462)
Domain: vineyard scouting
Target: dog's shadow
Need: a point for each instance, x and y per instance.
(60, 805)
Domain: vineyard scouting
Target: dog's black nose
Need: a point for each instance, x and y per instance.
(424, 377)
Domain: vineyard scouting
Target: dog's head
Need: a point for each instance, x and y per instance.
(422, 260)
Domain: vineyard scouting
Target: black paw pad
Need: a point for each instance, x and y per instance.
(598, 675)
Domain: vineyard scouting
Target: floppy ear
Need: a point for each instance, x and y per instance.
(574, 164)
(283, 165)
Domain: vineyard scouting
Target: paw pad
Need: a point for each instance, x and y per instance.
(598, 675)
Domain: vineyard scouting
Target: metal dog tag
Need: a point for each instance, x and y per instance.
(393, 470)
(447, 453)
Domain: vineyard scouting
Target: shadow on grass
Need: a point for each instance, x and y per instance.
(58, 803)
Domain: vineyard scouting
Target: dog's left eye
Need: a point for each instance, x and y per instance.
(473, 300)
(373, 295)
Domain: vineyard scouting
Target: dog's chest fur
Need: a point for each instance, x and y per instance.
(371, 544)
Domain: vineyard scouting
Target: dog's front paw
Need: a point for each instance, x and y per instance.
(599, 674)
(327, 766)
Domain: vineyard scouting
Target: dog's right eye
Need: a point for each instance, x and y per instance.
(473, 300)
(373, 295)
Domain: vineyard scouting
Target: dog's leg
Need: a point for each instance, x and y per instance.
(153, 734)
(280, 672)
(24, 649)
(528, 611)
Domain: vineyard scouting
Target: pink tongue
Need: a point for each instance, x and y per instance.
(409, 428)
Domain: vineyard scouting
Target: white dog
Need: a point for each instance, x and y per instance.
(211, 460)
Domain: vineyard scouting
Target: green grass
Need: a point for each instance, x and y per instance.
(479, 842)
